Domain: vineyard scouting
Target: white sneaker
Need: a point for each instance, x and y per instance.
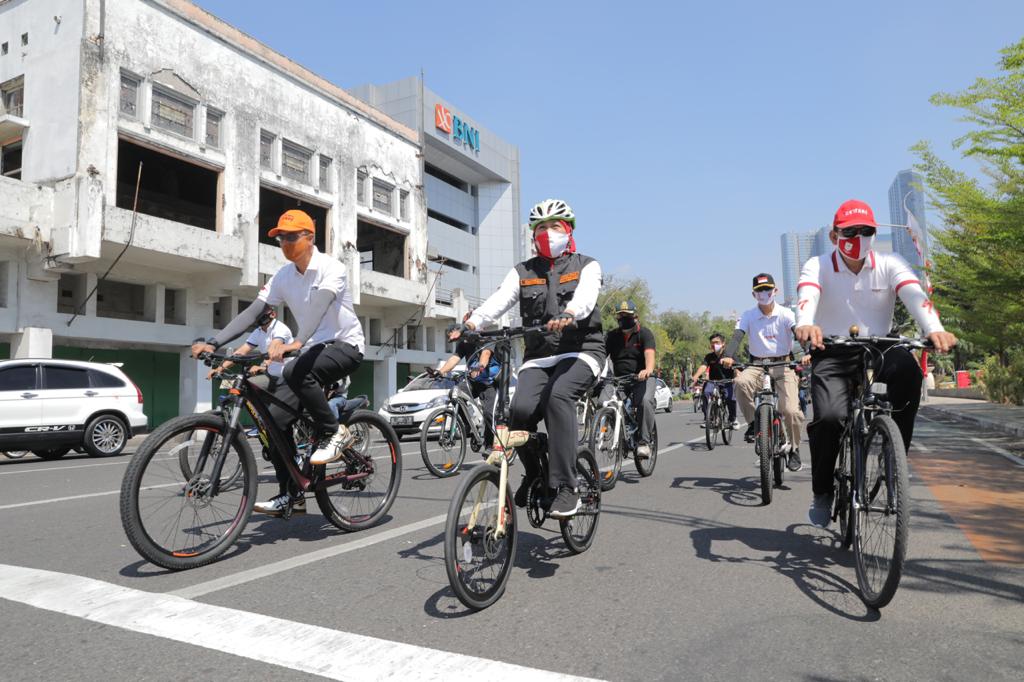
(643, 450)
(275, 506)
(330, 450)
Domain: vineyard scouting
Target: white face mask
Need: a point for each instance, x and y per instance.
(765, 297)
(716, 347)
(551, 243)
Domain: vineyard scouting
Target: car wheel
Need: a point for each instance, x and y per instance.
(668, 408)
(52, 453)
(105, 436)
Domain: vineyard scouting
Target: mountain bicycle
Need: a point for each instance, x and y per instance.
(717, 421)
(872, 500)
(771, 432)
(480, 531)
(698, 396)
(616, 435)
(586, 408)
(180, 522)
(460, 418)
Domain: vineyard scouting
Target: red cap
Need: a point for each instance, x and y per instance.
(854, 212)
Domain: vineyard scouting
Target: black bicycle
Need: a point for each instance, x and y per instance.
(179, 522)
(456, 423)
(717, 421)
(698, 396)
(480, 531)
(616, 435)
(771, 432)
(872, 501)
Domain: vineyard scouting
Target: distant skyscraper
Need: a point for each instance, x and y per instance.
(905, 193)
(797, 247)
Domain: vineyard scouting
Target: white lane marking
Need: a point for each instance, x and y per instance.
(266, 570)
(127, 460)
(298, 646)
(999, 451)
(78, 497)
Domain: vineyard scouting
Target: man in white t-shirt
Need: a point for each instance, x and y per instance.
(770, 328)
(315, 288)
(855, 285)
(268, 328)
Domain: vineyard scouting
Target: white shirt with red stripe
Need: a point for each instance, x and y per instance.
(834, 298)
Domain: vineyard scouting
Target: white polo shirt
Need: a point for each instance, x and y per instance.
(260, 340)
(769, 335)
(834, 298)
(290, 287)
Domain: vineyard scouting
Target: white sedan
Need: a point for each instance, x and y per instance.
(662, 396)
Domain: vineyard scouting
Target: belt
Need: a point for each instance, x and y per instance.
(774, 359)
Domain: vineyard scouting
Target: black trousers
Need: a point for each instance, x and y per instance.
(832, 370)
(550, 394)
(487, 394)
(301, 384)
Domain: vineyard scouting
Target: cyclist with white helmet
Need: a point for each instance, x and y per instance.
(557, 287)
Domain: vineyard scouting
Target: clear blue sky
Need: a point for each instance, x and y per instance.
(687, 136)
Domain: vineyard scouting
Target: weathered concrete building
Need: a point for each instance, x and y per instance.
(228, 135)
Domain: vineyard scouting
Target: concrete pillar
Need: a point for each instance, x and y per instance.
(32, 342)
(385, 380)
(194, 389)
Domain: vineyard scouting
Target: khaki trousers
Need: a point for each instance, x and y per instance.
(748, 383)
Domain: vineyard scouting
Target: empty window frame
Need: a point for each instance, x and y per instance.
(325, 174)
(403, 204)
(380, 249)
(129, 100)
(295, 161)
(174, 306)
(12, 93)
(10, 160)
(171, 188)
(71, 291)
(5, 270)
(267, 150)
(173, 113)
(213, 119)
(383, 194)
(274, 203)
(124, 301)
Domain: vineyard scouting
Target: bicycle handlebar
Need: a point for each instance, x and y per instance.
(504, 332)
(905, 341)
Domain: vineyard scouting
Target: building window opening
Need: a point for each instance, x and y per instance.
(213, 119)
(171, 188)
(273, 204)
(71, 292)
(403, 204)
(124, 301)
(375, 327)
(431, 334)
(295, 161)
(380, 249)
(448, 220)
(129, 103)
(24, 39)
(382, 196)
(10, 160)
(12, 93)
(3, 49)
(412, 337)
(5, 271)
(173, 113)
(174, 306)
(445, 176)
(222, 312)
(266, 150)
(361, 186)
(325, 174)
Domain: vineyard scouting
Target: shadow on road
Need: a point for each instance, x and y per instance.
(807, 558)
(743, 492)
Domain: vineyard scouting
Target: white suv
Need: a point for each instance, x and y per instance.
(50, 406)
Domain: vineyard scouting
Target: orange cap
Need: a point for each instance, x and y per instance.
(293, 221)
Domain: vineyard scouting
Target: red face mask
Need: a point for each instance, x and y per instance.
(855, 248)
(551, 244)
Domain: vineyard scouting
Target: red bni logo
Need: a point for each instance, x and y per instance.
(442, 118)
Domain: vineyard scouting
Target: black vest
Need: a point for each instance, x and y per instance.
(545, 289)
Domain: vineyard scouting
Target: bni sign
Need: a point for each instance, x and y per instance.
(460, 131)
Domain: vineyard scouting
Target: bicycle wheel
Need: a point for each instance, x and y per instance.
(369, 471)
(711, 425)
(606, 448)
(210, 442)
(584, 421)
(447, 459)
(882, 513)
(726, 430)
(779, 460)
(176, 523)
(477, 561)
(645, 465)
(765, 448)
(578, 531)
(844, 499)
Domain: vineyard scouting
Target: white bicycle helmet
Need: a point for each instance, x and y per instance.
(552, 209)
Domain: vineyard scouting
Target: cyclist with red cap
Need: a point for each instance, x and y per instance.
(315, 288)
(856, 285)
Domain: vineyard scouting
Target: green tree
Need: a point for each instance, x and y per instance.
(979, 271)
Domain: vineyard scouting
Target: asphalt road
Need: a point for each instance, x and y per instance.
(689, 577)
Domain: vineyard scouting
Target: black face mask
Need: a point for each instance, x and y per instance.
(627, 323)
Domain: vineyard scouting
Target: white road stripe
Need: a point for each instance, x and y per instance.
(999, 451)
(76, 497)
(298, 646)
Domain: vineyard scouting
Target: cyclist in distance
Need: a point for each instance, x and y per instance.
(716, 371)
(770, 327)
(268, 328)
(558, 287)
(631, 352)
(315, 288)
(482, 374)
(857, 286)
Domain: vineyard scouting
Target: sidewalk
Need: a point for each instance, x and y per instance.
(1004, 418)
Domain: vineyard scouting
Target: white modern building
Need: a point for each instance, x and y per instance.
(222, 135)
(471, 182)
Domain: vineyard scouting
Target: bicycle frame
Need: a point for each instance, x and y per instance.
(624, 417)
(460, 402)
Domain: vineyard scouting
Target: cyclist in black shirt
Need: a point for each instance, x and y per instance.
(631, 351)
(482, 373)
(717, 372)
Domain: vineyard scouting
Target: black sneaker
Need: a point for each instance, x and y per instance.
(820, 512)
(793, 463)
(566, 503)
(522, 492)
(751, 433)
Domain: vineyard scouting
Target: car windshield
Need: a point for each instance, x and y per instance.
(425, 383)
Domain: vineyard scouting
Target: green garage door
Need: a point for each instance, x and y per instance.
(5, 351)
(154, 372)
(362, 381)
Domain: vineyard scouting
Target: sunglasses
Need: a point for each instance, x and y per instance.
(851, 232)
(290, 237)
